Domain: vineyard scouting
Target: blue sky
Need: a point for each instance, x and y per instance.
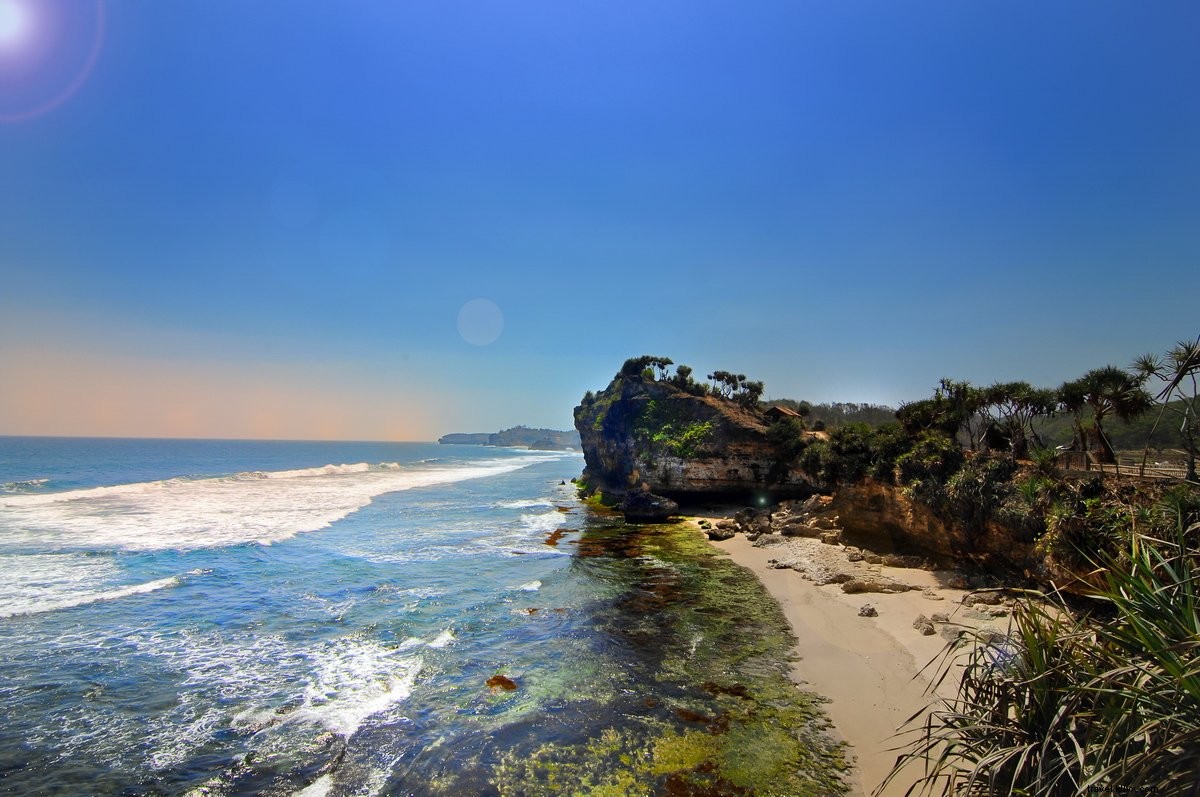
(276, 210)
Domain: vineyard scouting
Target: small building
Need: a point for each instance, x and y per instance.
(775, 413)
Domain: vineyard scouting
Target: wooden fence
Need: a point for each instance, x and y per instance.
(1126, 466)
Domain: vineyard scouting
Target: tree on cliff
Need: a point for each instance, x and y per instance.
(636, 366)
(1179, 370)
(750, 394)
(1070, 397)
(1107, 391)
(952, 408)
(726, 383)
(1015, 405)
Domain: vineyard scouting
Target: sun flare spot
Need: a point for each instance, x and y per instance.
(14, 23)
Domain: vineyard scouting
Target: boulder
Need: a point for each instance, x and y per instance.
(868, 611)
(952, 633)
(831, 537)
(896, 560)
(798, 528)
(645, 507)
(719, 533)
(984, 598)
(923, 624)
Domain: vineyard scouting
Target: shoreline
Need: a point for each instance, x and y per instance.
(867, 669)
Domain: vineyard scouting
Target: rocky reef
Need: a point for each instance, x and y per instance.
(645, 435)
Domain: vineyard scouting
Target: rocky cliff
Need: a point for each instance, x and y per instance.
(873, 511)
(643, 435)
(640, 434)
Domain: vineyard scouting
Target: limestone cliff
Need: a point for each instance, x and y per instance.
(640, 433)
(870, 510)
(670, 437)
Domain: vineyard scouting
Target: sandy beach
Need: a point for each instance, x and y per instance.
(869, 668)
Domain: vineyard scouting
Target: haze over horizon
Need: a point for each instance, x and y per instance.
(390, 222)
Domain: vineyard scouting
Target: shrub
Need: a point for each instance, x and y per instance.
(851, 453)
(1078, 530)
(787, 437)
(977, 490)
(1069, 705)
(814, 458)
(890, 443)
(928, 465)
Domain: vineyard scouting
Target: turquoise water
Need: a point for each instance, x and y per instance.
(221, 618)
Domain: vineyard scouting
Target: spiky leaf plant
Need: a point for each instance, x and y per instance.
(1069, 705)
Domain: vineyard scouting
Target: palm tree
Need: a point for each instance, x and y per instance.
(1072, 398)
(1112, 391)
(1017, 404)
(1179, 370)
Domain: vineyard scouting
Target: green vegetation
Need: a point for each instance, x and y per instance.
(1074, 703)
(832, 414)
(1071, 701)
(724, 384)
(1131, 435)
(1104, 391)
(734, 722)
(659, 427)
(1179, 370)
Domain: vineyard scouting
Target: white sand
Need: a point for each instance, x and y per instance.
(866, 666)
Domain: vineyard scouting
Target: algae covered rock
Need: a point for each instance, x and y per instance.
(643, 506)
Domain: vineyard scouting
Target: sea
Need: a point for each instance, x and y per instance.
(204, 618)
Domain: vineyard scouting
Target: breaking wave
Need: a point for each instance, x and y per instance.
(253, 507)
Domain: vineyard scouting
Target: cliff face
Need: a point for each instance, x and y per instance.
(640, 433)
(872, 510)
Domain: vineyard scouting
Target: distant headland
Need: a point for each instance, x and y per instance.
(536, 439)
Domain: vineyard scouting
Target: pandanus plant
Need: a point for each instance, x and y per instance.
(1179, 371)
(1072, 705)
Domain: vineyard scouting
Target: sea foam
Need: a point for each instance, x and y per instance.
(37, 583)
(254, 507)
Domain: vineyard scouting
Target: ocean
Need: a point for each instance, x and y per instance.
(184, 617)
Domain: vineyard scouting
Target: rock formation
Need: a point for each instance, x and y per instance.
(666, 438)
(646, 434)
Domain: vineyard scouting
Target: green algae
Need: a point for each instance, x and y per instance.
(718, 647)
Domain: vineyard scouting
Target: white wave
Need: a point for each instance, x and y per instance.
(532, 586)
(356, 678)
(279, 691)
(38, 607)
(325, 470)
(203, 513)
(526, 503)
(547, 521)
(318, 788)
(443, 639)
(22, 486)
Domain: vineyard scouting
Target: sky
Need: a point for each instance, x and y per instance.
(383, 220)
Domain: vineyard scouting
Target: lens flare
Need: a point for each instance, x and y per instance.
(47, 53)
(14, 23)
(480, 322)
